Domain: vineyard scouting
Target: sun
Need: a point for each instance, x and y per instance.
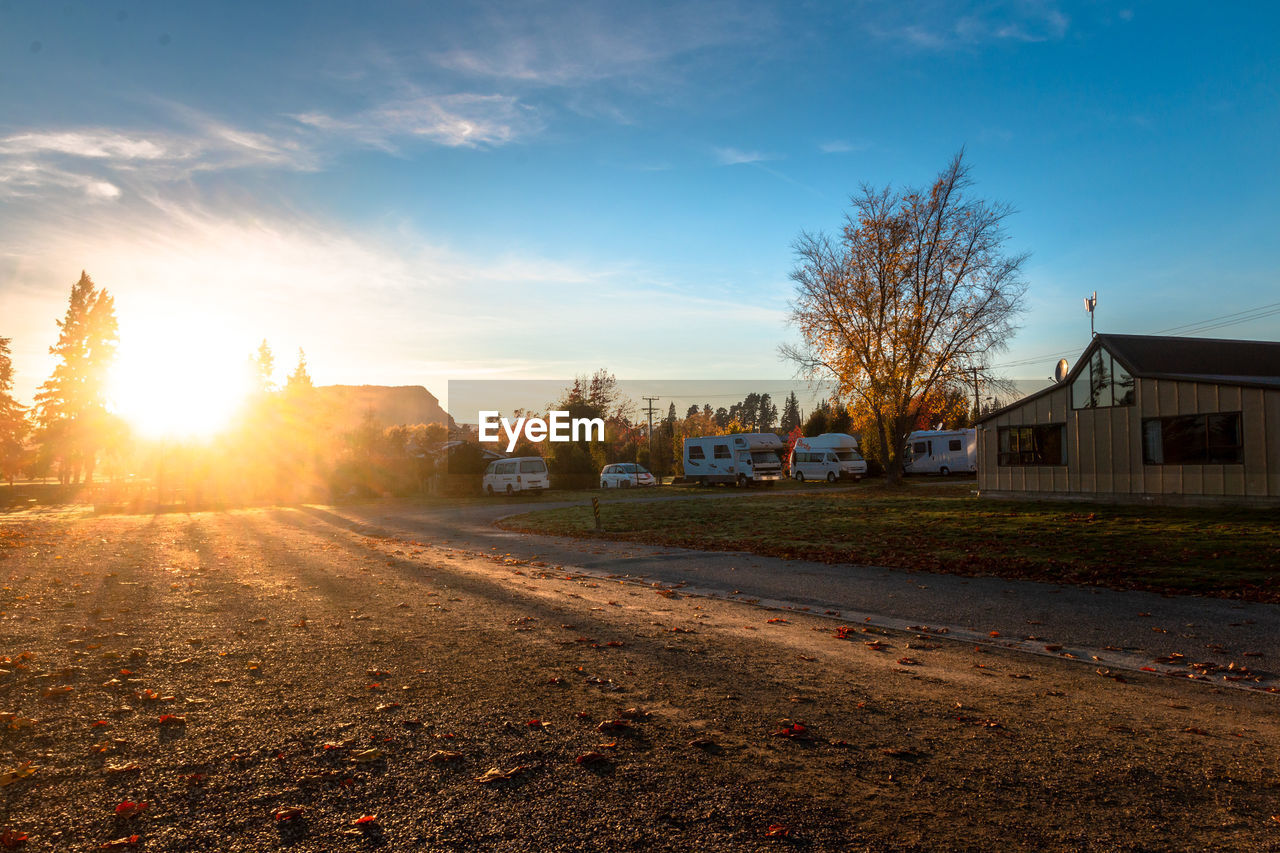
(178, 379)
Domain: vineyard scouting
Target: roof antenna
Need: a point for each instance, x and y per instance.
(1090, 303)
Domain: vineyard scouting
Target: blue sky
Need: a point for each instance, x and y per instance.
(421, 192)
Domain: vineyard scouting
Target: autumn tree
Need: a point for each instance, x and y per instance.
(70, 407)
(913, 293)
(13, 420)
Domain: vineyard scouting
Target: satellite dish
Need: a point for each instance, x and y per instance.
(1060, 372)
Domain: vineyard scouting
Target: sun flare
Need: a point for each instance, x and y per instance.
(178, 379)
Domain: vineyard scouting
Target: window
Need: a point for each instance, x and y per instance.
(721, 451)
(1193, 440)
(953, 445)
(920, 447)
(695, 452)
(533, 466)
(506, 468)
(1102, 383)
(1031, 445)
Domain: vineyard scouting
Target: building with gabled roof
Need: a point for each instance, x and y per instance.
(1144, 418)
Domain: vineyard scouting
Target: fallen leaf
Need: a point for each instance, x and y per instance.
(496, 775)
(11, 838)
(591, 758)
(287, 813)
(131, 809)
(131, 767)
(613, 725)
(777, 830)
(440, 756)
(796, 731)
(128, 841)
(366, 755)
(22, 771)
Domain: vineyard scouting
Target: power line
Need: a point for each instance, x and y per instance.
(1187, 329)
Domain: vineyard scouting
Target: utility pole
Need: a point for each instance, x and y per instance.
(977, 407)
(650, 410)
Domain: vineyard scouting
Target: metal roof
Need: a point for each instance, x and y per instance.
(1213, 360)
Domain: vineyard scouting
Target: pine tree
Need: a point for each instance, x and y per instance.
(13, 419)
(71, 405)
(300, 379)
(790, 414)
(263, 364)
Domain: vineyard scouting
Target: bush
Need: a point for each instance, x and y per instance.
(572, 467)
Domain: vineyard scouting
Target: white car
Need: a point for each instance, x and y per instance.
(625, 475)
(521, 474)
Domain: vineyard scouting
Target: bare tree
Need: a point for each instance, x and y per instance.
(914, 293)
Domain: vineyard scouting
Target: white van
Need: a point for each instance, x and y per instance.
(747, 457)
(941, 452)
(519, 474)
(831, 456)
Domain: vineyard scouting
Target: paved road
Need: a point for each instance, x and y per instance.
(1124, 629)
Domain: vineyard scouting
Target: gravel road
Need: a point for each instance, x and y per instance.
(1131, 629)
(266, 679)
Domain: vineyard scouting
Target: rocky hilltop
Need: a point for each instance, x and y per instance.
(390, 404)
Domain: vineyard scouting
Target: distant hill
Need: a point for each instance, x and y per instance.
(390, 404)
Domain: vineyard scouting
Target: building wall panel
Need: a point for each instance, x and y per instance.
(1271, 414)
(1257, 451)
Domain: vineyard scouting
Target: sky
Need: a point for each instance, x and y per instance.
(415, 193)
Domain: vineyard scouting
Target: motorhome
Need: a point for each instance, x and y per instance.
(941, 452)
(519, 474)
(831, 456)
(742, 458)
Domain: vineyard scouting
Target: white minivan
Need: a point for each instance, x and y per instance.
(520, 474)
(831, 456)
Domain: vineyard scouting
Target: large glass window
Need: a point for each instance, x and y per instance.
(1193, 439)
(1031, 445)
(721, 451)
(695, 452)
(1101, 383)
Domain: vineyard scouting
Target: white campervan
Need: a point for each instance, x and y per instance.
(520, 474)
(748, 457)
(831, 456)
(941, 452)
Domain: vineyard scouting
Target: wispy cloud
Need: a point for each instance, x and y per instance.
(458, 120)
(737, 156)
(22, 178)
(99, 161)
(938, 26)
(570, 44)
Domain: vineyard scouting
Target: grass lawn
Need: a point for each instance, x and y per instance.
(1223, 552)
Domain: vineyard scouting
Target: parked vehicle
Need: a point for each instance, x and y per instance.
(831, 456)
(519, 474)
(742, 458)
(941, 452)
(624, 475)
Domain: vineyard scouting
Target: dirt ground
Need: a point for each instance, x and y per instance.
(266, 679)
